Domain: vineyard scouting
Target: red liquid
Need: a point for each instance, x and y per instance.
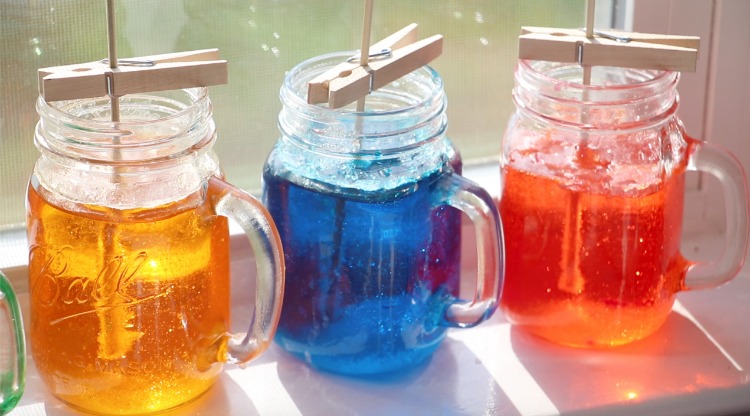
(589, 263)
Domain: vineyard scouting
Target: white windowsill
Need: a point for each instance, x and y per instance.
(698, 363)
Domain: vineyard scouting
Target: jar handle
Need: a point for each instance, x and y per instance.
(709, 158)
(265, 242)
(13, 365)
(477, 204)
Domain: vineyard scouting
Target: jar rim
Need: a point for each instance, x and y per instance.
(197, 95)
(660, 76)
(619, 98)
(156, 126)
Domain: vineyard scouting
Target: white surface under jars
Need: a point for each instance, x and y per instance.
(698, 363)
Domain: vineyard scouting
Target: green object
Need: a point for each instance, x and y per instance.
(12, 348)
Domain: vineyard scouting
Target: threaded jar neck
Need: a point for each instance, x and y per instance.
(616, 98)
(397, 140)
(159, 152)
(398, 118)
(152, 127)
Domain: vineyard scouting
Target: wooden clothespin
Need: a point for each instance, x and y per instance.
(390, 59)
(135, 75)
(611, 48)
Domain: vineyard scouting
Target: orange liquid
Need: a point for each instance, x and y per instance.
(129, 309)
(586, 266)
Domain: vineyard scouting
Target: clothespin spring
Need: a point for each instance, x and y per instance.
(606, 35)
(384, 53)
(131, 62)
(109, 75)
(621, 39)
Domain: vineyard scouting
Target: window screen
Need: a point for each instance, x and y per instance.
(261, 39)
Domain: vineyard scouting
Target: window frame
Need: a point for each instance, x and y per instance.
(715, 99)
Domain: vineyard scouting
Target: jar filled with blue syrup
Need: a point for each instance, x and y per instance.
(368, 205)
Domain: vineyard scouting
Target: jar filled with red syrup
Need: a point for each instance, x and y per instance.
(592, 204)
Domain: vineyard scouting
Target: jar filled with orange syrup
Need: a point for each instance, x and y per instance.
(129, 254)
(592, 204)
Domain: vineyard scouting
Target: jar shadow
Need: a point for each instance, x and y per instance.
(676, 363)
(446, 384)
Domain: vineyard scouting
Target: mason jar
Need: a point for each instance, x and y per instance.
(368, 205)
(593, 180)
(129, 254)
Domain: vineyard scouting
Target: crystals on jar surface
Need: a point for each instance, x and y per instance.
(624, 164)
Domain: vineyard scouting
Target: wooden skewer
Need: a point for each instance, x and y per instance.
(340, 209)
(110, 321)
(112, 49)
(364, 54)
(589, 35)
(571, 277)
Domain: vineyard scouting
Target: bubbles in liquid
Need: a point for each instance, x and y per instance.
(369, 274)
(128, 307)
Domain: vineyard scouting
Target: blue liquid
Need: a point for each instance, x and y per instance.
(368, 274)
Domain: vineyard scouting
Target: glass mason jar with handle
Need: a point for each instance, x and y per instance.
(368, 207)
(592, 204)
(129, 254)
(12, 348)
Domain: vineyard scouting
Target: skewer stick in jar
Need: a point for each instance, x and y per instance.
(364, 52)
(112, 54)
(571, 278)
(590, 48)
